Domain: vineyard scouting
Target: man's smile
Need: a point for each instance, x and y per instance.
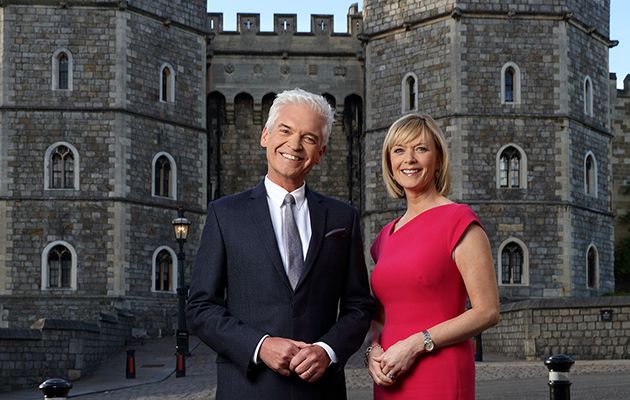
(290, 156)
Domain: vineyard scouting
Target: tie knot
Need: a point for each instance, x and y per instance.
(288, 199)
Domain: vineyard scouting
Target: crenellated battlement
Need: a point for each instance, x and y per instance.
(286, 24)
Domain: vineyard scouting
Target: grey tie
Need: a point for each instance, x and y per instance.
(292, 242)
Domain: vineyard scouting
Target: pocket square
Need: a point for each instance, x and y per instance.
(339, 232)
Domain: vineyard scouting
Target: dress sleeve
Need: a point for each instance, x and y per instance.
(463, 217)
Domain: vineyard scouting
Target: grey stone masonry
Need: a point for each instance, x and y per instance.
(112, 118)
(59, 348)
(458, 51)
(585, 329)
(620, 121)
(248, 67)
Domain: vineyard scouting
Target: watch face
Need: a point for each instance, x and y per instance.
(428, 345)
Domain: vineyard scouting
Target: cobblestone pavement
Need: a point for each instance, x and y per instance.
(497, 378)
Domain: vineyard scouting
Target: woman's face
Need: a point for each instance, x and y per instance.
(414, 164)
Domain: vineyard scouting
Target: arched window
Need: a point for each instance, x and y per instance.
(410, 93)
(217, 119)
(267, 101)
(330, 99)
(590, 174)
(62, 66)
(513, 263)
(592, 267)
(353, 128)
(510, 84)
(167, 83)
(511, 167)
(588, 96)
(61, 167)
(164, 176)
(164, 276)
(59, 266)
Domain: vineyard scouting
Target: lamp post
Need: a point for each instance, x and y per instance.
(181, 225)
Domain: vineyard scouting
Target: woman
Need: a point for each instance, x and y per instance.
(428, 262)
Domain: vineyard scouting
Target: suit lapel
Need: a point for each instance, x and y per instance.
(259, 212)
(318, 223)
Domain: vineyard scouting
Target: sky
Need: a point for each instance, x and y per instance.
(619, 27)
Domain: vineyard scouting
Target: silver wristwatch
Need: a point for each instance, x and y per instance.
(428, 342)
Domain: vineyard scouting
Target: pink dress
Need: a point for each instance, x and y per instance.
(419, 285)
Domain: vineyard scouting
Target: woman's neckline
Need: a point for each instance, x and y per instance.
(395, 229)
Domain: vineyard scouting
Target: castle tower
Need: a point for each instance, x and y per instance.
(620, 121)
(248, 67)
(102, 138)
(521, 91)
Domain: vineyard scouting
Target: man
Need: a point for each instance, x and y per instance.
(279, 287)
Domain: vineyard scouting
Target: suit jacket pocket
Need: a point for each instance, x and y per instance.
(336, 233)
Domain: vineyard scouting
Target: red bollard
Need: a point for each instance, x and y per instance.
(131, 364)
(180, 368)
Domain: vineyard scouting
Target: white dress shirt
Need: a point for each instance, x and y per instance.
(275, 198)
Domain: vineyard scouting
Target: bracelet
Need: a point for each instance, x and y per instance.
(368, 351)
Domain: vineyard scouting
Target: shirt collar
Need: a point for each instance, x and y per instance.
(276, 193)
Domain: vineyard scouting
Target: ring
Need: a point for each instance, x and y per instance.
(391, 376)
(308, 373)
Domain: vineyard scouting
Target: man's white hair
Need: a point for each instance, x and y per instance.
(316, 102)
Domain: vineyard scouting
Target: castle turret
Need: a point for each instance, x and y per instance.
(521, 92)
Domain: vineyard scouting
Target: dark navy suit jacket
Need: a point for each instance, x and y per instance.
(239, 292)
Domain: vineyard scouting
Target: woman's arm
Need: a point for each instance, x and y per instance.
(473, 258)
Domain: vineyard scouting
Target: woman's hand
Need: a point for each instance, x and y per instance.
(374, 367)
(399, 357)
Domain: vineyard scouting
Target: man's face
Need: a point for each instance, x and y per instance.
(294, 145)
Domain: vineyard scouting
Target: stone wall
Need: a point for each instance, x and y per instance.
(59, 348)
(112, 117)
(620, 121)
(248, 67)
(536, 329)
(457, 51)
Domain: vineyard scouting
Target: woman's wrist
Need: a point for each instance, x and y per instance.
(368, 351)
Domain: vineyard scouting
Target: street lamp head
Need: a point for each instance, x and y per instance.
(180, 225)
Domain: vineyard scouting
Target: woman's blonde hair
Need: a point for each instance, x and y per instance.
(403, 131)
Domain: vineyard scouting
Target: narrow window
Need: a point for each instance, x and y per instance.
(588, 96)
(63, 71)
(61, 77)
(164, 271)
(411, 90)
(162, 176)
(509, 168)
(166, 74)
(167, 83)
(591, 267)
(512, 264)
(590, 175)
(409, 93)
(509, 85)
(59, 267)
(62, 171)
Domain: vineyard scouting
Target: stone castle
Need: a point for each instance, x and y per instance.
(115, 113)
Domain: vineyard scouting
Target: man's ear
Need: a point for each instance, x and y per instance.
(322, 151)
(263, 137)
